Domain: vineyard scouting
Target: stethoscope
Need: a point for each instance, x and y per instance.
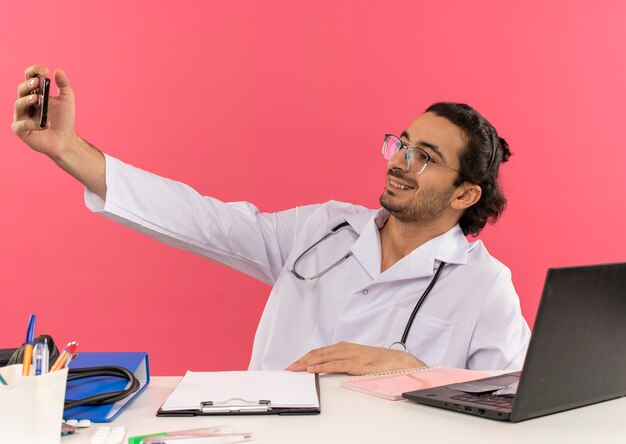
(398, 345)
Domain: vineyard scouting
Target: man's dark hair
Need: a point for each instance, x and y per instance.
(480, 163)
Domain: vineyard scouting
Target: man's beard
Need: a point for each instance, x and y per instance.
(430, 206)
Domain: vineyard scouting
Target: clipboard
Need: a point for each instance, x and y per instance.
(202, 383)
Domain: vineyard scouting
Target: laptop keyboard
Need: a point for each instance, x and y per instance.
(505, 402)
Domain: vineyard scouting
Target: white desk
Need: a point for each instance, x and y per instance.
(351, 417)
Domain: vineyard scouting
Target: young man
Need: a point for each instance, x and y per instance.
(354, 290)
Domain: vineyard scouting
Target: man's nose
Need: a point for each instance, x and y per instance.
(399, 160)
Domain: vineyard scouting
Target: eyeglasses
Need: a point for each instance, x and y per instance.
(414, 155)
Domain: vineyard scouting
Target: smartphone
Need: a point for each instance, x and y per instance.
(41, 109)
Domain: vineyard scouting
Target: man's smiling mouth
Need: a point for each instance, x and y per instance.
(399, 185)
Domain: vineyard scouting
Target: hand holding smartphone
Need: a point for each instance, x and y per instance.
(41, 108)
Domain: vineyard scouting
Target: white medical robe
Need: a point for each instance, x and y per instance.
(471, 319)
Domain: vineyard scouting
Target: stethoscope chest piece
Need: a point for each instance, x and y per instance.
(399, 346)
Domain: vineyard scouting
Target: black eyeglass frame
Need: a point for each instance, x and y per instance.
(408, 147)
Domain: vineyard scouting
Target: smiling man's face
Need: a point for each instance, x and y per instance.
(425, 197)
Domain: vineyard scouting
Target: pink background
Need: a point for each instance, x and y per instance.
(285, 103)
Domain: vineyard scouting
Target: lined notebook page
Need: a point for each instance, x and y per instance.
(392, 385)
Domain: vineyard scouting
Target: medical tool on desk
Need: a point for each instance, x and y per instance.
(102, 398)
(398, 345)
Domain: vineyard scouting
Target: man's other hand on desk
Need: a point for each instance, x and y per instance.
(354, 359)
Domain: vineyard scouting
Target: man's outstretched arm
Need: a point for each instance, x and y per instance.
(58, 139)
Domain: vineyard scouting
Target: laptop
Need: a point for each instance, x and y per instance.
(576, 356)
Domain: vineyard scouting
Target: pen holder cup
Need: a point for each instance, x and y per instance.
(31, 407)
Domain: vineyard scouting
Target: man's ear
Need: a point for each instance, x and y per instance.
(466, 195)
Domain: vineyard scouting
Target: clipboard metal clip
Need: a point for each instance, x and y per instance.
(235, 405)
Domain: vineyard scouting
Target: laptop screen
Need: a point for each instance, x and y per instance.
(577, 353)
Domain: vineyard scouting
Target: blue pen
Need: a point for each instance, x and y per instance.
(41, 357)
(28, 346)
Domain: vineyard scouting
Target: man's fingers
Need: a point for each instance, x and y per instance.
(20, 127)
(27, 87)
(22, 120)
(23, 104)
(311, 358)
(342, 366)
(63, 83)
(335, 352)
(32, 82)
(35, 70)
(341, 350)
(296, 367)
(354, 359)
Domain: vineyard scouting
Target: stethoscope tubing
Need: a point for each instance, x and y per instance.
(398, 345)
(420, 302)
(332, 232)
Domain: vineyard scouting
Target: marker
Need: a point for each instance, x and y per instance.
(68, 352)
(41, 356)
(28, 346)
